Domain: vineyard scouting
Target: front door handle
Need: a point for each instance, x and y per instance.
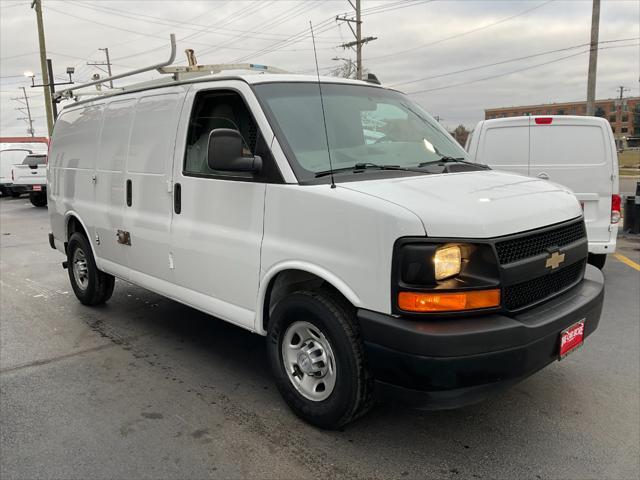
(543, 175)
(128, 193)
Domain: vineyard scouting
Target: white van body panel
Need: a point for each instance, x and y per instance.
(512, 202)
(574, 151)
(72, 162)
(338, 234)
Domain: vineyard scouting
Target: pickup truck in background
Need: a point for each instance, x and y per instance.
(31, 176)
(8, 158)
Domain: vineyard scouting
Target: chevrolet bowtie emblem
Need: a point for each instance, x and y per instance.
(555, 260)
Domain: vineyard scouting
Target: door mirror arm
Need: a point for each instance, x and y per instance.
(224, 152)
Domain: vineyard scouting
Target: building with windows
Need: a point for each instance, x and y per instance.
(622, 114)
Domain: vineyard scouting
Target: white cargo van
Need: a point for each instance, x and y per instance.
(578, 152)
(367, 259)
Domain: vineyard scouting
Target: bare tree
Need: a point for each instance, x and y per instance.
(460, 134)
(346, 69)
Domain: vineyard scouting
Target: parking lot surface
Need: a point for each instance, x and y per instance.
(144, 387)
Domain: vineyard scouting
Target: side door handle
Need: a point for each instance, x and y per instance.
(177, 198)
(543, 175)
(128, 193)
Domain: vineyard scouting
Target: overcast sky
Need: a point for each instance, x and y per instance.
(422, 42)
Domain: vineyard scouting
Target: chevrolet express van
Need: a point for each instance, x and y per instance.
(372, 256)
(576, 151)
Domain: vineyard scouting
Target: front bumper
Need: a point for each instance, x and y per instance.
(447, 363)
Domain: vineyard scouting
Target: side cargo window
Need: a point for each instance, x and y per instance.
(225, 109)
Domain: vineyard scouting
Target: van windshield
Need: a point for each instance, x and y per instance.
(365, 125)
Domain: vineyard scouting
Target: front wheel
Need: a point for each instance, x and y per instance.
(91, 286)
(597, 260)
(317, 358)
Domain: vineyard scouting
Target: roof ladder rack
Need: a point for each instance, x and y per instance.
(68, 93)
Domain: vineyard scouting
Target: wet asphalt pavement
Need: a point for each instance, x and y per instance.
(144, 387)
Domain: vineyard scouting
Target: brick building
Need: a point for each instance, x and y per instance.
(623, 115)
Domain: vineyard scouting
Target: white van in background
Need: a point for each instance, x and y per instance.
(577, 152)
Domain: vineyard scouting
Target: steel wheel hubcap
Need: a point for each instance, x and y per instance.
(309, 361)
(80, 269)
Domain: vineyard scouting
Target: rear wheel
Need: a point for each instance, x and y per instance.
(597, 260)
(317, 358)
(38, 199)
(91, 286)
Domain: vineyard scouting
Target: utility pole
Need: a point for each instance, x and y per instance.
(593, 58)
(358, 34)
(359, 45)
(37, 4)
(107, 64)
(28, 118)
(622, 90)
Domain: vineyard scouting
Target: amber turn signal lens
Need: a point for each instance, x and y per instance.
(448, 301)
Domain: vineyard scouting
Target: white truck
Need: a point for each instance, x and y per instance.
(31, 176)
(389, 265)
(12, 152)
(576, 151)
(8, 158)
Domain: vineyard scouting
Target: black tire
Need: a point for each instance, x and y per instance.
(597, 260)
(334, 317)
(15, 194)
(98, 287)
(38, 199)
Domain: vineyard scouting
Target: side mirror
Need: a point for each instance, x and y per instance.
(225, 152)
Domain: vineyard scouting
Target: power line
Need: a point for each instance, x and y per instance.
(461, 34)
(323, 26)
(231, 18)
(504, 74)
(526, 57)
(271, 23)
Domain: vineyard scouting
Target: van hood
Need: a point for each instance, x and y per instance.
(476, 204)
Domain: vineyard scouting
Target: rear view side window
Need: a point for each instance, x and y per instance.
(567, 145)
(507, 146)
(212, 110)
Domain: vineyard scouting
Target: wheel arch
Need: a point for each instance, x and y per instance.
(73, 223)
(287, 277)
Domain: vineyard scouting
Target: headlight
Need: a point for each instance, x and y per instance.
(447, 261)
(444, 276)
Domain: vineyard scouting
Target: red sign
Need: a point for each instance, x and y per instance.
(571, 338)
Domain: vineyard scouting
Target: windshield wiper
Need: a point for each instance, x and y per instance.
(444, 159)
(361, 166)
